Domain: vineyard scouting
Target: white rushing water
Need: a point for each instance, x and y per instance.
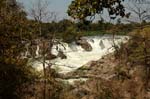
(77, 56)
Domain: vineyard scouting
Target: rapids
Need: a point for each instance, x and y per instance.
(77, 56)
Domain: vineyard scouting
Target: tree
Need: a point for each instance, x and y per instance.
(139, 12)
(40, 13)
(14, 71)
(80, 9)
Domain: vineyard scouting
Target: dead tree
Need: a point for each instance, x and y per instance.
(139, 12)
(40, 14)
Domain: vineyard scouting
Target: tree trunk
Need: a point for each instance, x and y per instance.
(44, 71)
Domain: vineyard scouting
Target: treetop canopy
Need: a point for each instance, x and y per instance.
(80, 9)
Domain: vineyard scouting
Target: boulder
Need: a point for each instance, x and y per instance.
(84, 44)
(101, 44)
(50, 56)
(61, 55)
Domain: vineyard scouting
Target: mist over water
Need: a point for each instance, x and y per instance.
(77, 56)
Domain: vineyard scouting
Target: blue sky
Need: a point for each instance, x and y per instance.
(58, 6)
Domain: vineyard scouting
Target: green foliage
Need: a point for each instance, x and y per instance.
(134, 59)
(13, 30)
(69, 35)
(80, 9)
(136, 52)
(94, 33)
(66, 28)
(13, 77)
(139, 46)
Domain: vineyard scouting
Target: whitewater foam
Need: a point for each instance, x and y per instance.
(77, 56)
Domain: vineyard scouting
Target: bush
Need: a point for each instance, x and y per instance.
(13, 76)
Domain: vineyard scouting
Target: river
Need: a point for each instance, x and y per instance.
(77, 56)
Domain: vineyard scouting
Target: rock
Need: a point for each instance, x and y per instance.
(50, 56)
(84, 44)
(101, 44)
(91, 63)
(101, 62)
(92, 40)
(61, 55)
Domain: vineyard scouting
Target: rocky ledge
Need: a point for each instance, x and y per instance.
(103, 68)
(108, 78)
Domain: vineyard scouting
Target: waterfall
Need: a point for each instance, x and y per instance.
(37, 50)
(77, 56)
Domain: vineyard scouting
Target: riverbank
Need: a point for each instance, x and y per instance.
(107, 78)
